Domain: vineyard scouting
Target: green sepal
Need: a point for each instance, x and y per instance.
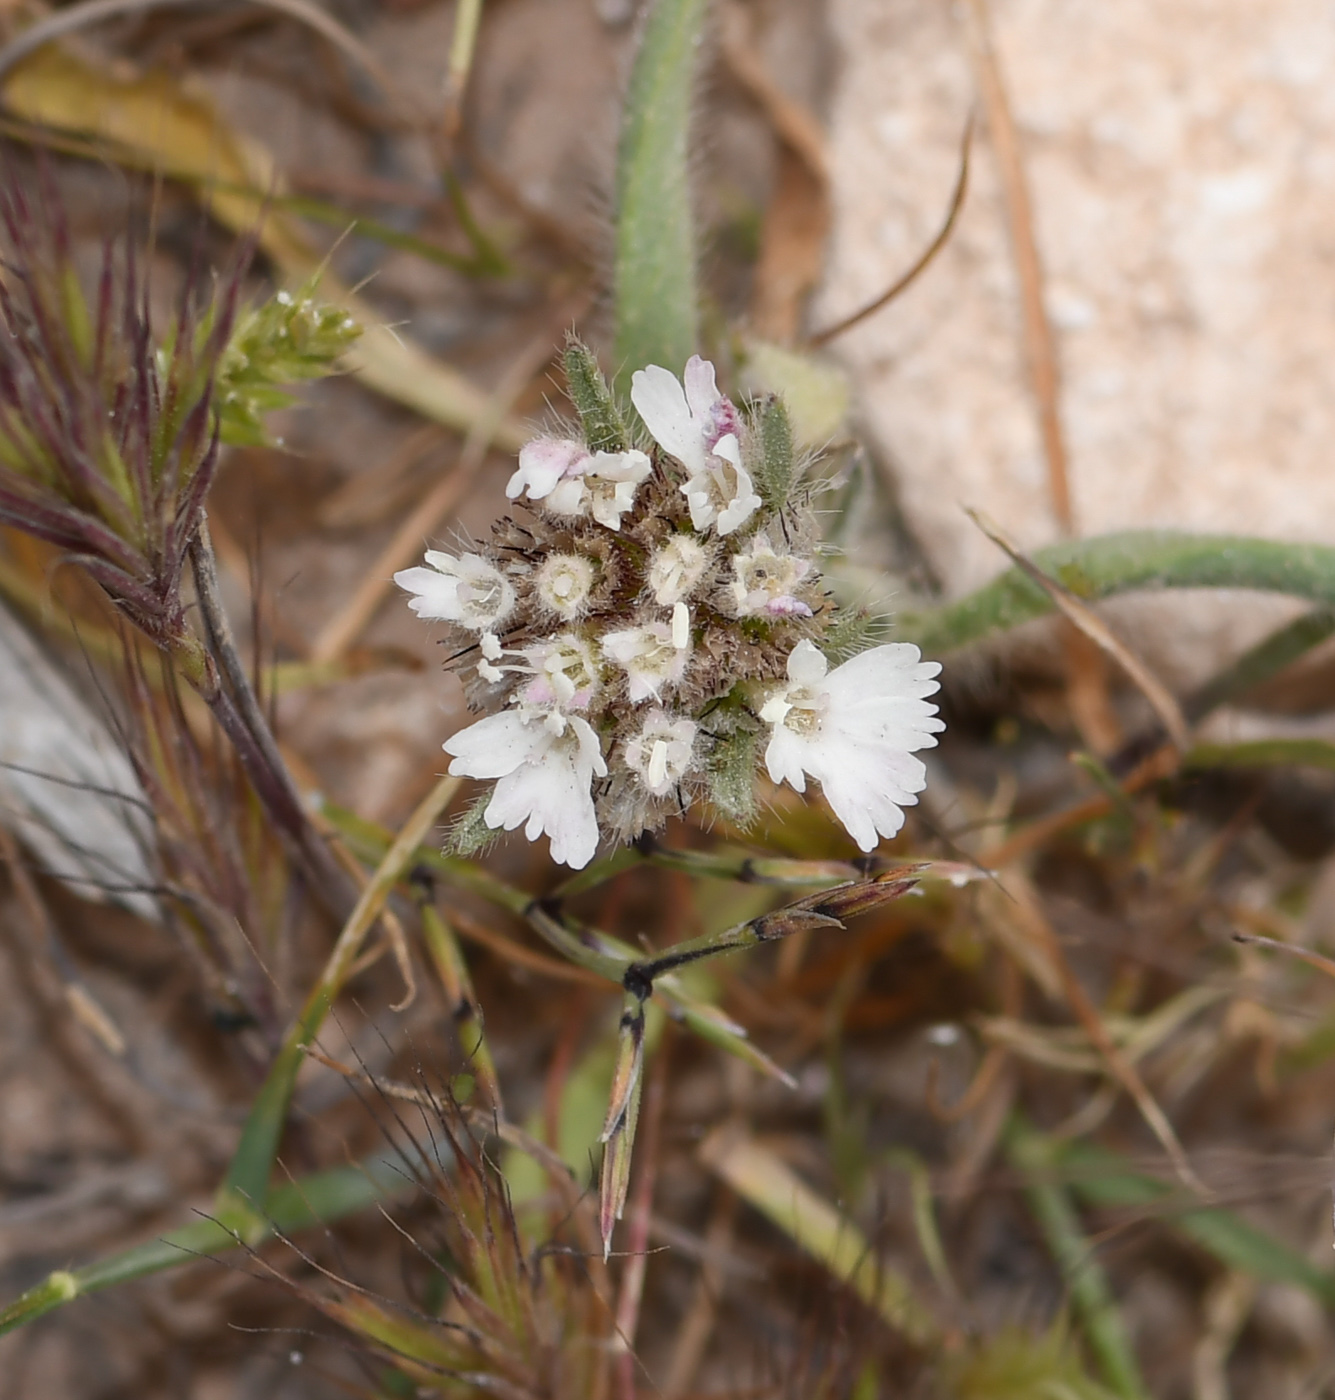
(776, 462)
(732, 775)
(469, 834)
(604, 427)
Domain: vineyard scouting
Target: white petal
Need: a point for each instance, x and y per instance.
(590, 750)
(743, 505)
(701, 388)
(700, 500)
(494, 747)
(661, 402)
(567, 497)
(437, 595)
(730, 450)
(783, 758)
(446, 563)
(806, 663)
(551, 796)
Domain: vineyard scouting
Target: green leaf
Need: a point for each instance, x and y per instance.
(656, 301)
(1123, 563)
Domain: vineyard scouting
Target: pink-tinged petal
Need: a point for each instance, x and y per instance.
(542, 463)
(661, 402)
(437, 594)
(494, 747)
(701, 389)
(783, 758)
(785, 605)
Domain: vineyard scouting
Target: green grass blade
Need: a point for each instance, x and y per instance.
(1123, 563)
(656, 301)
(317, 1199)
(1263, 753)
(1091, 1294)
(247, 1179)
(1106, 1180)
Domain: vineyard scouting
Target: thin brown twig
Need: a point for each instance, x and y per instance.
(925, 259)
(510, 951)
(1120, 1067)
(56, 994)
(688, 1349)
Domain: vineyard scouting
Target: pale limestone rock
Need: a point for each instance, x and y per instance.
(1181, 158)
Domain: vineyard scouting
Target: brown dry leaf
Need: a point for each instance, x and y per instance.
(153, 122)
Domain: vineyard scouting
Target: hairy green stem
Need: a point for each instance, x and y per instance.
(1122, 563)
(656, 299)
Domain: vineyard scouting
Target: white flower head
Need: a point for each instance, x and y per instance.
(545, 763)
(562, 584)
(570, 480)
(854, 730)
(676, 569)
(701, 429)
(661, 754)
(653, 656)
(765, 580)
(565, 673)
(468, 590)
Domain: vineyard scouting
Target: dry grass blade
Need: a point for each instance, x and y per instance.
(1119, 1065)
(758, 1176)
(1312, 959)
(925, 260)
(1093, 627)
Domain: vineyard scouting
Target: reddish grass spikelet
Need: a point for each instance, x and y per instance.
(108, 443)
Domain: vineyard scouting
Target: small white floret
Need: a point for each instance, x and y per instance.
(562, 584)
(676, 569)
(570, 480)
(662, 753)
(649, 656)
(544, 763)
(854, 730)
(702, 429)
(467, 590)
(765, 581)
